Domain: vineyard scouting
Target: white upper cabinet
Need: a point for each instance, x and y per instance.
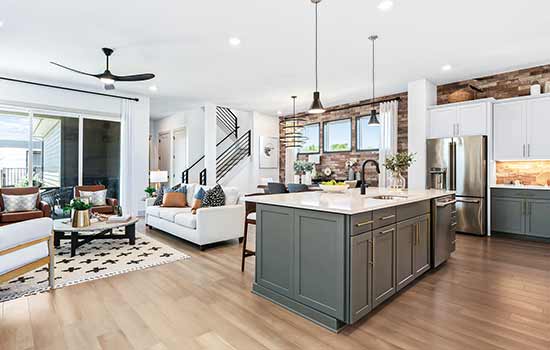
(458, 119)
(442, 122)
(509, 130)
(538, 127)
(521, 129)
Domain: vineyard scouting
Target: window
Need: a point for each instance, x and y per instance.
(368, 136)
(337, 136)
(14, 148)
(311, 145)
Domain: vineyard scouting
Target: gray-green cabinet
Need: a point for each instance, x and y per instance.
(360, 276)
(412, 249)
(524, 212)
(383, 264)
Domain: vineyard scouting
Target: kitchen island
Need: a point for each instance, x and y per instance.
(334, 257)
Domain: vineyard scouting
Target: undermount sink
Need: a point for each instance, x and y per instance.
(388, 197)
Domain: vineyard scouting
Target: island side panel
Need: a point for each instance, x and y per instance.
(319, 261)
(274, 249)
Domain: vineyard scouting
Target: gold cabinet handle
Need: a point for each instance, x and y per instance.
(359, 224)
(387, 217)
(387, 231)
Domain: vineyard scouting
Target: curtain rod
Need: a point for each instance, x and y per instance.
(70, 89)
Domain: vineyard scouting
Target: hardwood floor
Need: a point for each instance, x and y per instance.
(493, 294)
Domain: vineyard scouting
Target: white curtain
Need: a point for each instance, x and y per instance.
(126, 159)
(388, 137)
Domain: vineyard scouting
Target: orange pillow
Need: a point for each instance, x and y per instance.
(174, 200)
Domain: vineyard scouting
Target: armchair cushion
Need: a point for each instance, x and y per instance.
(103, 209)
(97, 198)
(19, 202)
(19, 191)
(20, 216)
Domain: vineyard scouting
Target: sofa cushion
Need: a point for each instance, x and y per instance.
(153, 211)
(21, 216)
(187, 219)
(170, 213)
(231, 195)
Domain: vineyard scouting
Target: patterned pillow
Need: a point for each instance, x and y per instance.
(160, 197)
(96, 197)
(214, 197)
(13, 203)
(197, 200)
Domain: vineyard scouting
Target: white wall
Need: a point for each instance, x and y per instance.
(21, 94)
(421, 94)
(193, 121)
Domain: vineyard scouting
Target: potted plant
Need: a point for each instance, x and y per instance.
(150, 191)
(398, 164)
(80, 212)
(302, 171)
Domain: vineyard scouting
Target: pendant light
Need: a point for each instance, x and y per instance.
(373, 118)
(316, 106)
(293, 129)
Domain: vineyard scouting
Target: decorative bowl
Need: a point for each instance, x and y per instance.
(334, 188)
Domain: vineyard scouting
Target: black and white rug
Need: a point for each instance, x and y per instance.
(94, 260)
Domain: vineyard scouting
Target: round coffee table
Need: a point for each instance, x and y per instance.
(98, 230)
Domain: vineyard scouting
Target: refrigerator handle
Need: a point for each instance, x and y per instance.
(452, 166)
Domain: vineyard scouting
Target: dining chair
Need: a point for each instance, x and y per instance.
(276, 187)
(297, 188)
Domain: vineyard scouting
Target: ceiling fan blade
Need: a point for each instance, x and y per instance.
(109, 86)
(137, 77)
(74, 70)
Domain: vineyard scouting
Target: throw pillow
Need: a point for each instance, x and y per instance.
(197, 200)
(96, 197)
(24, 202)
(164, 189)
(174, 200)
(160, 196)
(214, 197)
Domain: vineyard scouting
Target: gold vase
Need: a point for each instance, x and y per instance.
(81, 218)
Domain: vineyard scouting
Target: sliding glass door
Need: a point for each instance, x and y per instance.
(15, 143)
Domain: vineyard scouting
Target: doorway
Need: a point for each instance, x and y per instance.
(179, 154)
(164, 151)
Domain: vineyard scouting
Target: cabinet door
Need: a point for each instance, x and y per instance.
(509, 130)
(404, 252)
(442, 122)
(472, 120)
(274, 247)
(538, 124)
(319, 265)
(360, 276)
(422, 246)
(538, 218)
(508, 215)
(383, 270)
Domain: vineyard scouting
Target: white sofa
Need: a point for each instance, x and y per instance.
(207, 226)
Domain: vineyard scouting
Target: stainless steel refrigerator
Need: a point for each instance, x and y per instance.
(460, 164)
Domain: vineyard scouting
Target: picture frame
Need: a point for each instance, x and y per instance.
(269, 152)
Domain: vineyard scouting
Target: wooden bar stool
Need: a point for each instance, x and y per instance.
(249, 219)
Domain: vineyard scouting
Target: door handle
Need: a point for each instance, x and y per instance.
(360, 224)
(372, 253)
(528, 150)
(444, 204)
(387, 231)
(524, 150)
(469, 200)
(387, 217)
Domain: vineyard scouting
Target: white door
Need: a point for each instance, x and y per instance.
(472, 120)
(509, 131)
(164, 151)
(179, 154)
(538, 125)
(442, 122)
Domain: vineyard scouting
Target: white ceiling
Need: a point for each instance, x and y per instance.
(185, 43)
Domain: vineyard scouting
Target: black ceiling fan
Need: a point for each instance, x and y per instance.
(107, 77)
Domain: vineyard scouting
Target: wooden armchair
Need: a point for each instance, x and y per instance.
(42, 210)
(111, 203)
(25, 246)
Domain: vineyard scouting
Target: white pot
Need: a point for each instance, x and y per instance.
(297, 179)
(306, 179)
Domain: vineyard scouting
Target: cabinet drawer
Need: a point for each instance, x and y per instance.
(383, 217)
(519, 193)
(361, 223)
(412, 210)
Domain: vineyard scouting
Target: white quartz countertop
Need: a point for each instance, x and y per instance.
(351, 202)
(522, 187)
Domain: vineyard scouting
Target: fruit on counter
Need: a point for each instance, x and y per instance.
(333, 183)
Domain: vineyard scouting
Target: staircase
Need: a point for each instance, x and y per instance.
(239, 150)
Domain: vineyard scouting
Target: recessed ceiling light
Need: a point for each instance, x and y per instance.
(1, 24)
(234, 41)
(385, 5)
(153, 88)
(446, 68)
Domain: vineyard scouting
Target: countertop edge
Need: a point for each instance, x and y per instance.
(527, 187)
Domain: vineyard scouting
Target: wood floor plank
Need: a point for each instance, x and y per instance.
(494, 294)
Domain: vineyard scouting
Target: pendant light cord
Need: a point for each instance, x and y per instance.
(373, 94)
(316, 49)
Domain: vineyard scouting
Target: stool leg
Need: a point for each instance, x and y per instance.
(245, 237)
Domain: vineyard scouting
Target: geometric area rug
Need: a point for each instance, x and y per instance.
(94, 260)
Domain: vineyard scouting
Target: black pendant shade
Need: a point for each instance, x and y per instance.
(316, 106)
(373, 120)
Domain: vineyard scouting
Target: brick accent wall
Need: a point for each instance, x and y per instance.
(499, 86)
(336, 161)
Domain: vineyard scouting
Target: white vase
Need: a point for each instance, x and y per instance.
(306, 179)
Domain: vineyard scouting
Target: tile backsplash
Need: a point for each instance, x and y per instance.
(528, 172)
